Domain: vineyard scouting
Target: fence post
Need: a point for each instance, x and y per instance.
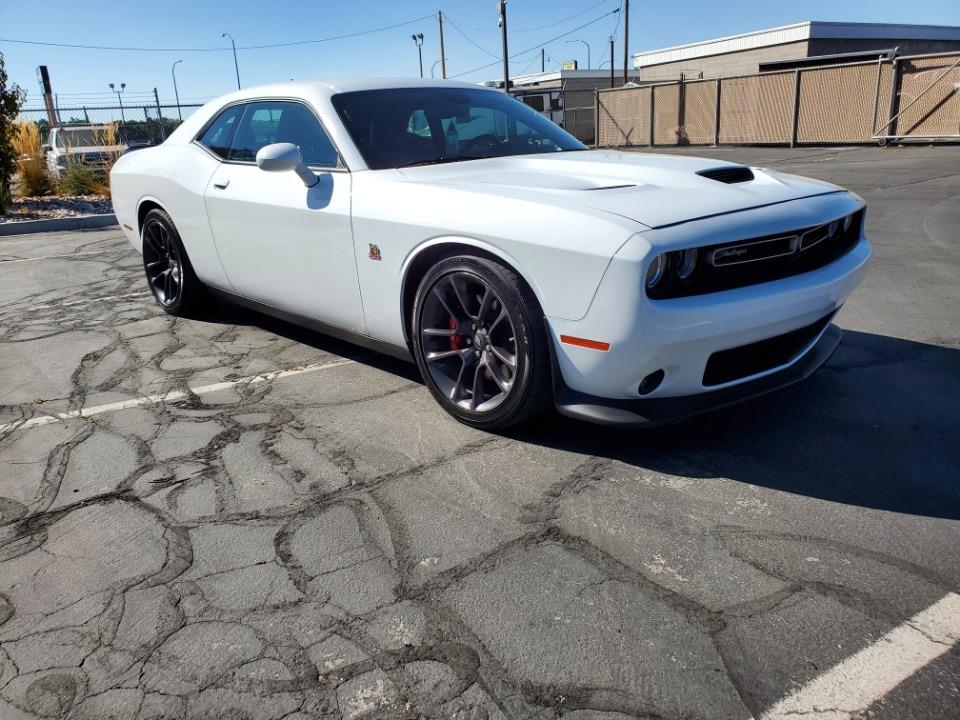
(651, 120)
(891, 126)
(86, 115)
(163, 133)
(796, 107)
(596, 118)
(682, 112)
(716, 118)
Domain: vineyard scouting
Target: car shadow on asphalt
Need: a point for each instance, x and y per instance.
(876, 427)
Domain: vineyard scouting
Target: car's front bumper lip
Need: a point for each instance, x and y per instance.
(648, 412)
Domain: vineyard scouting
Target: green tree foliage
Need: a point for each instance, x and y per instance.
(11, 100)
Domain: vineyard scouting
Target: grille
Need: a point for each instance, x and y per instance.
(740, 362)
(762, 259)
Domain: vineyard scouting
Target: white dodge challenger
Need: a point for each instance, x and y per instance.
(451, 224)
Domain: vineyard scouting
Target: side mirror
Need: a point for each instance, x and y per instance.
(46, 148)
(282, 157)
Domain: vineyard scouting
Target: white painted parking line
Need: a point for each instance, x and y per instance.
(85, 301)
(848, 689)
(168, 397)
(54, 257)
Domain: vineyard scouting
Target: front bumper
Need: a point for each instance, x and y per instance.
(649, 412)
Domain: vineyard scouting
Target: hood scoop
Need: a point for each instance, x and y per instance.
(729, 174)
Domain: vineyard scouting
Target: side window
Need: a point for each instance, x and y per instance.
(219, 136)
(264, 123)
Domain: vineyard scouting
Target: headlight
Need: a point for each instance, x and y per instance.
(687, 263)
(834, 226)
(847, 224)
(656, 271)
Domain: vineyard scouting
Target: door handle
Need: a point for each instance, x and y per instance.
(221, 183)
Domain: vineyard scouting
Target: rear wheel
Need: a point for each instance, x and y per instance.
(481, 344)
(169, 273)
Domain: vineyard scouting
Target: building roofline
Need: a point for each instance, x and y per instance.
(810, 29)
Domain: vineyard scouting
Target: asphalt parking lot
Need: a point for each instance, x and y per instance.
(255, 521)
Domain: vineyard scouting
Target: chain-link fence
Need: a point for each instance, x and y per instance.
(906, 98)
(133, 124)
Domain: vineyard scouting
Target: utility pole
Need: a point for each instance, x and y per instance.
(443, 54)
(43, 76)
(418, 39)
(502, 7)
(235, 65)
(626, 38)
(611, 61)
(543, 62)
(176, 95)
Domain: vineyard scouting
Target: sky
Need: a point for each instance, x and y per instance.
(472, 37)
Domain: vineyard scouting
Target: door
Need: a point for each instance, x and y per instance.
(282, 243)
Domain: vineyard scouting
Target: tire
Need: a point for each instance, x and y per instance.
(463, 343)
(167, 267)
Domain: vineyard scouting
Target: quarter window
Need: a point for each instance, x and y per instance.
(219, 136)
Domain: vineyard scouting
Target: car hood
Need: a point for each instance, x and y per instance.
(655, 190)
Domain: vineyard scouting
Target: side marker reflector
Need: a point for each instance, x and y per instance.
(127, 226)
(583, 342)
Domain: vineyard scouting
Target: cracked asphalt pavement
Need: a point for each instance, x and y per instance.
(327, 543)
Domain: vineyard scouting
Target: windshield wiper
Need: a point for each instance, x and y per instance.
(440, 159)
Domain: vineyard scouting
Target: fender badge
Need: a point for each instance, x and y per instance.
(375, 252)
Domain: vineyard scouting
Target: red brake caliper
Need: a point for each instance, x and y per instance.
(456, 341)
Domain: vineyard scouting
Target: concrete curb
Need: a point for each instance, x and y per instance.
(82, 222)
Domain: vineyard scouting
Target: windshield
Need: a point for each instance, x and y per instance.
(79, 138)
(411, 126)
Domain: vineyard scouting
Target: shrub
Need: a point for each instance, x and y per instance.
(11, 98)
(34, 178)
(80, 179)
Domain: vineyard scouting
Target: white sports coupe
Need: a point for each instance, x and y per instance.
(451, 224)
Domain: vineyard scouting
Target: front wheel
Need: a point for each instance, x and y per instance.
(480, 342)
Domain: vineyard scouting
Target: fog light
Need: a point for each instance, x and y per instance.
(656, 271)
(650, 383)
(687, 264)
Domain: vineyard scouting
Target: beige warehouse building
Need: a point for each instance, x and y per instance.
(801, 44)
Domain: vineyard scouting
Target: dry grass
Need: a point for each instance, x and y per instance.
(80, 179)
(32, 164)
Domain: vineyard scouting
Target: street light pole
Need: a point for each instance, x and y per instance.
(418, 39)
(502, 8)
(123, 86)
(434, 67)
(173, 72)
(236, 66)
(588, 50)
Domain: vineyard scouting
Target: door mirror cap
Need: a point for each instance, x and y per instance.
(281, 157)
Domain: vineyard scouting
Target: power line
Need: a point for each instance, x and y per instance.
(539, 45)
(470, 40)
(548, 25)
(219, 49)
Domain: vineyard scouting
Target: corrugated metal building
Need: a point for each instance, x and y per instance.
(763, 49)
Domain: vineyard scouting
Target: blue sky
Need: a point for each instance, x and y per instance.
(181, 24)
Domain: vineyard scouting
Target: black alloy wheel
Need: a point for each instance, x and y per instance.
(169, 273)
(480, 342)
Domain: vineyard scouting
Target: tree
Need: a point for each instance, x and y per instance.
(11, 100)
